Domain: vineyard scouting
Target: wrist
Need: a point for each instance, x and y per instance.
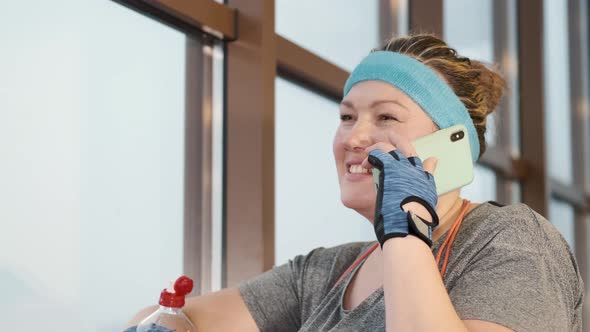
(414, 226)
(408, 243)
(418, 209)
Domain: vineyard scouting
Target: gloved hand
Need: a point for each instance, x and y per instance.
(401, 180)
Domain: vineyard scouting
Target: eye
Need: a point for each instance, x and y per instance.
(387, 117)
(345, 117)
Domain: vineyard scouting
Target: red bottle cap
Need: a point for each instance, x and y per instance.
(182, 286)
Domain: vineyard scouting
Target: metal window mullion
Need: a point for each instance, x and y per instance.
(207, 168)
(393, 19)
(249, 143)
(193, 17)
(197, 171)
(192, 159)
(568, 193)
(309, 70)
(217, 169)
(579, 94)
(535, 191)
(426, 16)
(502, 34)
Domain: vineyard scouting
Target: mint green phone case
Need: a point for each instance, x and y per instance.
(455, 166)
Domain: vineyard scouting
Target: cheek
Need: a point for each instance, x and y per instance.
(338, 147)
(422, 127)
(339, 152)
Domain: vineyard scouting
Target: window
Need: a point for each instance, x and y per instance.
(308, 210)
(561, 215)
(557, 91)
(483, 187)
(94, 163)
(349, 34)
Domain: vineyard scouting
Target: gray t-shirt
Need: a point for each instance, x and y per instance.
(508, 265)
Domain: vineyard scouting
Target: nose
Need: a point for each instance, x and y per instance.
(359, 137)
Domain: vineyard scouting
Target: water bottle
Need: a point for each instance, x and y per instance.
(169, 316)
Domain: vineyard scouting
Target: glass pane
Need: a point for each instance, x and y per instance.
(561, 215)
(516, 192)
(557, 91)
(483, 187)
(92, 97)
(476, 42)
(469, 27)
(308, 209)
(345, 38)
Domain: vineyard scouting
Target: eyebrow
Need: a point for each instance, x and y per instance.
(374, 104)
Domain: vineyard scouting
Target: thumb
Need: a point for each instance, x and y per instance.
(429, 164)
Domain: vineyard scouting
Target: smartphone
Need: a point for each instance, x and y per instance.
(455, 166)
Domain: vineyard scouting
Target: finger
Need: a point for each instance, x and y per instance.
(398, 155)
(366, 164)
(383, 146)
(380, 159)
(416, 161)
(430, 164)
(402, 144)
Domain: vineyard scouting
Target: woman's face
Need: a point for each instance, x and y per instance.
(370, 111)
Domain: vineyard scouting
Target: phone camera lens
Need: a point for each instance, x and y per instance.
(457, 136)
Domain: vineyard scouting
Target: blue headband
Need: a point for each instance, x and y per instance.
(421, 84)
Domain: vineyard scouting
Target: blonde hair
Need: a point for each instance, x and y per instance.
(478, 87)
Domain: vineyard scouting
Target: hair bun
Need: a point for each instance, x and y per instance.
(479, 88)
(492, 86)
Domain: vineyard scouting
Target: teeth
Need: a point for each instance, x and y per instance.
(356, 169)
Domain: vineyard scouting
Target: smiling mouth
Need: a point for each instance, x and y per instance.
(358, 169)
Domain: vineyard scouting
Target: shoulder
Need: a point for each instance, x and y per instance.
(331, 260)
(317, 272)
(516, 224)
(513, 255)
(343, 251)
(518, 232)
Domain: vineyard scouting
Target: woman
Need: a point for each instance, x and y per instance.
(509, 269)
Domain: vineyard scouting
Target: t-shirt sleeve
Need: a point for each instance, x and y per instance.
(524, 277)
(273, 297)
(282, 297)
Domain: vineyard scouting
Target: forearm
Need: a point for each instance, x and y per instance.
(223, 310)
(415, 296)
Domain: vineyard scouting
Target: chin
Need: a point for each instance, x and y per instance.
(358, 201)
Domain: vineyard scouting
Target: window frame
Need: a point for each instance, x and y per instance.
(255, 55)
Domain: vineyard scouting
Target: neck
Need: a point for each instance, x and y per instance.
(448, 209)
